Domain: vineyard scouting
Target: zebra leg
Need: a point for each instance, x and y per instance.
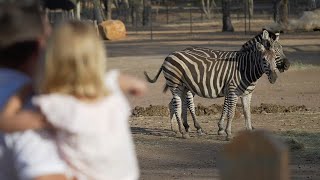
(185, 114)
(190, 104)
(232, 102)
(221, 130)
(246, 101)
(177, 105)
(172, 117)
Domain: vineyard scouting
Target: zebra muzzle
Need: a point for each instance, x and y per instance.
(272, 77)
(284, 65)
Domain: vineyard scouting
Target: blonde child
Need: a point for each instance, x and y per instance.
(86, 107)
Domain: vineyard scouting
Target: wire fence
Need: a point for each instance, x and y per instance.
(192, 18)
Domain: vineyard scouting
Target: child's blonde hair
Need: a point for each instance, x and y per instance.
(75, 62)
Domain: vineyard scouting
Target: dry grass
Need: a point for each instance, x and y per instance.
(299, 65)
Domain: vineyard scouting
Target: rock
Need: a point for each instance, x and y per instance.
(112, 30)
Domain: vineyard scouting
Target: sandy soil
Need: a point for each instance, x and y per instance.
(162, 155)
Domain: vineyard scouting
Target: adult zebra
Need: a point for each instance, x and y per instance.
(282, 65)
(213, 74)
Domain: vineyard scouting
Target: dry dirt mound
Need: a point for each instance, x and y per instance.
(201, 110)
(150, 111)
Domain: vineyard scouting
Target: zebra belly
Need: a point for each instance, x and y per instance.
(249, 89)
(209, 90)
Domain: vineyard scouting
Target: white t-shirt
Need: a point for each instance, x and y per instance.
(29, 154)
(94, 138)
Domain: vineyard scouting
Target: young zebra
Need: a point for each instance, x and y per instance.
(214, 74)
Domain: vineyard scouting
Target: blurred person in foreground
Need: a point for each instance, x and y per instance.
(29, 154)
(86, 107)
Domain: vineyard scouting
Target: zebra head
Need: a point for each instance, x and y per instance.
(266, 38)
(268, 57)
(281, 59)
(272, 39)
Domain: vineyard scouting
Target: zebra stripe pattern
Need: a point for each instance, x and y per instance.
(213, 74)
(282, 64)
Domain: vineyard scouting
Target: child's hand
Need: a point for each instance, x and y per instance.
(132, 85)
(138, 88)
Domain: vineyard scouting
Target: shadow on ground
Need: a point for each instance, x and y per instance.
(304, 153)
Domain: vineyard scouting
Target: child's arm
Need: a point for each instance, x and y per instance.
(132, 85)
(22, 120)
(13, 119)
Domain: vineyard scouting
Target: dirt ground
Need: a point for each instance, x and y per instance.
(291, 108)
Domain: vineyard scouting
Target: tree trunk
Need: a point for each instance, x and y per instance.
(78, 10)
(136, 12)
(108, 8)
(226, 18)
(250, 7)
(207, 7)
(275, 9)
(147, 10)
(281, 12)
(124, 10)
(97, 11)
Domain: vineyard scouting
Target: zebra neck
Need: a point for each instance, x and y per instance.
(251, 66)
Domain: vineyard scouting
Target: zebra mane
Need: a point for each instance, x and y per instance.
(251, 44)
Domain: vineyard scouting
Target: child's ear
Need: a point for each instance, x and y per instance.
(260, 47)
(265, 34)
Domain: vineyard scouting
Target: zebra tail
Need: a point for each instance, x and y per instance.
(155, 78)
(166, 87)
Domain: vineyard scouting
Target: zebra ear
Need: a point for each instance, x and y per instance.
(265, 35)
(277, 36)
(260, 47)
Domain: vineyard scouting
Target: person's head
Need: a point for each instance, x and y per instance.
(20, 33)
(75, 62)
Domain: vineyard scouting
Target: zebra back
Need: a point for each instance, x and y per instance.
(207, 72)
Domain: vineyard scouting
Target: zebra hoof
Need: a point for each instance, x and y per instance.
(201, 132)
(221, 132)
(228, 138)
(178, 134)
(186, 136)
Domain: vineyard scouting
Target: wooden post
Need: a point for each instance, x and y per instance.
(254, 155)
